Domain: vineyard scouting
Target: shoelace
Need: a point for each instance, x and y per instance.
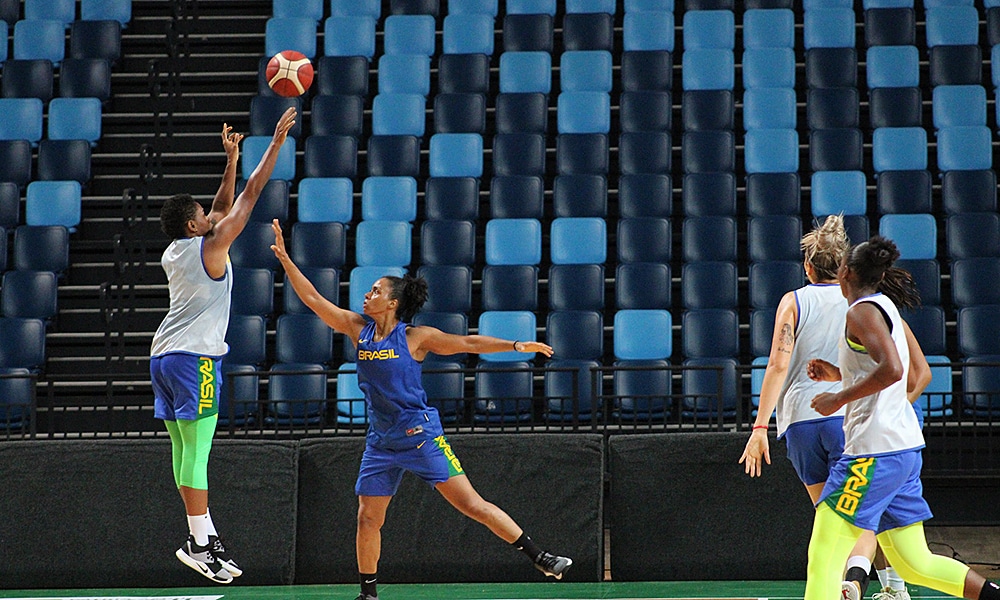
(217, 547)
(548, 560)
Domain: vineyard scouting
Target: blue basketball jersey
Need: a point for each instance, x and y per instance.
(398, 413)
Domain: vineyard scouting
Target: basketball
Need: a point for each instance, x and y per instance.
(289, 73)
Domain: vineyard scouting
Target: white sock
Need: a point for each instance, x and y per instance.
(883, 577)
(895, 581)
(198, 525)
(211, 525)
(859, 561)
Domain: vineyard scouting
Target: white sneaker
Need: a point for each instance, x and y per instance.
(889, 593)
(201, 559)
(221, 555)
(849, 590)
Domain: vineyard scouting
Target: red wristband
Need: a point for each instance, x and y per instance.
(760, 426)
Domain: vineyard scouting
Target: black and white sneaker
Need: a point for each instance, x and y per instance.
(219, 551)
(366, 597)
(201, 559)
(552, 565)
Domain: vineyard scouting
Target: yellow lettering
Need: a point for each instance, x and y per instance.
(384, 354)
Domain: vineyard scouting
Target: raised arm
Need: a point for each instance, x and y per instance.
(422, 340)
(344, 321)
(223, 201)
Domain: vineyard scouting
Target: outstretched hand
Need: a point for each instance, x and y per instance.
(231, 141)
(534, 347)
(285, 123)
(279, 242)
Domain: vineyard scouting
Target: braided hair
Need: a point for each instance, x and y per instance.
(872, 262)
(825, 246)
(410, 292)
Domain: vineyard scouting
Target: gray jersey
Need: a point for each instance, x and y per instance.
(199, 305)
(822, 310)
(882, 423)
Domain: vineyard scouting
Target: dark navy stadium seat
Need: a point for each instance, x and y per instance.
(709, 194)
(895, 107)
(644, 152)
(828, 108)
(347, 75)
(770, 280)
(326, 280)
(709, 284)
(517, 197)
(449, 288)
(447, 242)
(455, 198)
(773, 193)
(928, 326)
(904, 192)
(645, 195)
(582, 153)
(335, 155)
(835, 149)
(527, 33)
(582, 195)
(576, 287)
(569, 391)
(525, 112)
(651, 70)
(519, 154)
(969, 191)
(576, 334)
(587, 31)
(831, 67)
(464, 73)
(253, 291)
(707, 109)
(644, 239)
(642, 286)
(303, 338)
(708, 238)
(393, 155)
(708, 151)
(510, 287)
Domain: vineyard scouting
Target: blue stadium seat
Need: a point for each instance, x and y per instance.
(290, 33)
(769, 28)
(63, 11)
(510, 325)
(642, 286)
(645, 195)
(708, 238)
(85, 78)
(337, 114)
(456, 323)
(252, 248)
(346, 75)
(774, 237)
(899, 149)
(444, 383)
(708, 151)
(709, 284)
(836, 192)
(857, 227)
(926, 275)
(451, 198)
(460, 113)
(578, 240)
(643, 335)
(328, 156)
(958, 105)
(969, 235)
(449, 288)
(503, 392)
(303, 338)
(510, 287)
(447, 242)
(351, 409)
(952, 26)
(389, 199)
(326, 280)
(644, 152)
(644, 239)
(584, 112)
(707, 69)
(393, 155)
(895, 107)
(709, 194)
(709, 29)
(972, 281)
(246, 336)
(29, 295)
(585, 71)
(709, 393)
(409, 34)
(519, 154)
(513, 242)
(522, 113)
(969, 191)
(517, 197)
(588, 31)
(324, 199)
(318, 244)
(890, 26)
(370, 8)
(10, 11)
(22, 343)
(523, 72)
(10, 208)
(265, 111)
(21, 119)
(272, 202)
(95, 39)
(936, 401)
(239, 395)
(981, 383)
(102, 10)
(768, 67)
(831, 108)
(17, 393)
(576, 287)
(582, 153)
(647, 70)
(769, 108)
(771, 151)
(15, 162)
(773, 193)
(962, 148)
(404, 74)
(645, 111)
(53, 203)
(456, 155)
(707, 109)
(978, 330)
(642, 390)
(414, 7)
(576, 334)
(648, 30)
(531, 32)
(590, 7)
(383, 243)
(75, 119)
(580, 196)
(254, 148)
(349, 35)
(915, 235)
(464, 73)
(771, 280)
(24, 78)
(836, 149)
(468, 33)
(893, 67)
(38, 248)
(296, 8)
(831, 67)
(296, 394)
(569, 390)
(904, 192)
(955, 65)
(828, 28)
(647, 5)
(40, 38)
(928, 325)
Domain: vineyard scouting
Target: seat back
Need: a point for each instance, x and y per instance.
(29, 294)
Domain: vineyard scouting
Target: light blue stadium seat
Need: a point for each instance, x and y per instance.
(409, 34)
(296, 394)
(769, 108)
(771, 151)
(21, 119)
(814, 4)
(106, 10)
(350, 399)
(399, 114)
(312, 9)
(829, 28)
(887, 4)
(369, 8)
(515, 325)
(936, 401)
(361, 280)
(75, 119)
(836, 192)
(349, 35)
(709, 29)
(29, 295)
(915, 235)
(584, 112)
(899, 149)
(291, 33)
(404, 74)
(585, 71)
(590, 6)
(648, 30)
(707, 69)
(383, 243)
(757, 381)
(648, 5)
(643, 335)
(63, 11)
(40, 38)
(531, 7)
(952, 26)
(768, 68)
(964, 148)
(456, 155)
(513, 242)
(522, 72)
(389, 199)
(770, 280)
(893, 67)
(709, 284)
(576, 334)
(325, 199)
(578, 240)
(768, 28)
(959, 105)
(53, 203)
(254, 147)
(468, 33)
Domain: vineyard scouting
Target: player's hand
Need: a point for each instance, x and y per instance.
(285, 123)
(826, 403)
(279, 242)
(821, 370)
(231, 142)
(757, 447)
(533, 347)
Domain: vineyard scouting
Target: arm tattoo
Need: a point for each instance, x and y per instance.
(785, 338)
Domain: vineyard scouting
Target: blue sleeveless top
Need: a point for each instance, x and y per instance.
(398, 414)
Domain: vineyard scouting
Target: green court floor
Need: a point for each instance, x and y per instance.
(729, 590)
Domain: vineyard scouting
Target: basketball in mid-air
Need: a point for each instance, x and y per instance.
(289, 73)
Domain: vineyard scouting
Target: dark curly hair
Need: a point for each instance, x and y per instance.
(872, 262)
(410, 292)
(176, 212)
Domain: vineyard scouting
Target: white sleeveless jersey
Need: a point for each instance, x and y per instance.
(199, 305)
(822, 310)
(883, 423)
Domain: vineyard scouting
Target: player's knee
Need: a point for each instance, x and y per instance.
(370, 519)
